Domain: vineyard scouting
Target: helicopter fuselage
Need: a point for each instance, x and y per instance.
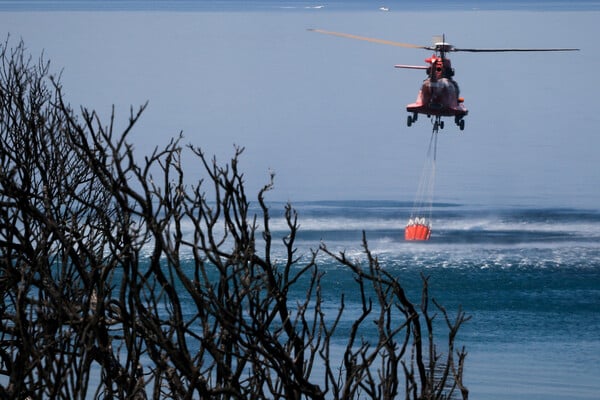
(439, 97)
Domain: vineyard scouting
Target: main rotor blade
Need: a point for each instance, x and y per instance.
(367, 39)
(507, 50)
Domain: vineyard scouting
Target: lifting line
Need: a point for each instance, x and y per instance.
(423, 204)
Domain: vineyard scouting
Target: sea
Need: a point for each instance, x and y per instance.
(528, 275)
(265, 5)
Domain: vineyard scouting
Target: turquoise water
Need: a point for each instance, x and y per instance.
(529, 277)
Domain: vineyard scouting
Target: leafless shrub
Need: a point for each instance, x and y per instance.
(120, 280)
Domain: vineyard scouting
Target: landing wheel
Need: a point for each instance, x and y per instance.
(441, 124)
(461, 124)
(409, 121)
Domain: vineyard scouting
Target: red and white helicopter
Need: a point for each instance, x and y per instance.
(439, 95)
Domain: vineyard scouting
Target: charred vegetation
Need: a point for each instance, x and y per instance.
(100, 252)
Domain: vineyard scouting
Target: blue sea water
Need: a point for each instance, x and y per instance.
(528, 276)
(265, 5)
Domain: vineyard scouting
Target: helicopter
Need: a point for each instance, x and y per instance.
(440, 94)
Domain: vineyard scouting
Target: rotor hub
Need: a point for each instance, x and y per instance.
(443, 47)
